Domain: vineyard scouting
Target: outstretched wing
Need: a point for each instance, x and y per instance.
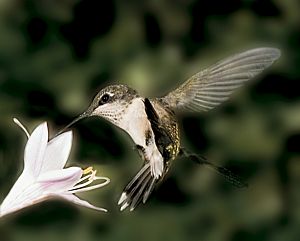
(210, 87)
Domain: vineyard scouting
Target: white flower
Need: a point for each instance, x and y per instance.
(44, 175)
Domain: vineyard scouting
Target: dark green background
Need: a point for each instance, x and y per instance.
(55, 55)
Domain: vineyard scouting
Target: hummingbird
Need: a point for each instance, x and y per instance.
(152, 123)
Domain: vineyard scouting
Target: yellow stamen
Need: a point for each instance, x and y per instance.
(87, 170)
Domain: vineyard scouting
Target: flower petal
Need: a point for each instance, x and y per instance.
(35, 150)
(57, 152)
(24, 193)
(76, 200)
(58, 181)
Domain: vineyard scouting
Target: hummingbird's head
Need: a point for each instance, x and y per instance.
(110, 103)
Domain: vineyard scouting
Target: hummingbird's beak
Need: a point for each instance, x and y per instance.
(83, 115)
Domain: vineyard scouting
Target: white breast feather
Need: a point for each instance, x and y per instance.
(136, 123)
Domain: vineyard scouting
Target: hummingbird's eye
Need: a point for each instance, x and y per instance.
(104, 99)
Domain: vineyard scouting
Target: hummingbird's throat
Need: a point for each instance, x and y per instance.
(134, 121)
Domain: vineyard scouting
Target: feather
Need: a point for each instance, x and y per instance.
(210, 87)
(138, 189)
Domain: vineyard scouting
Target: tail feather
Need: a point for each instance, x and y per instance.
(139, 176)
(140, 183)
(138, 196)
(149, 190)
(132, 186)
(138, 189)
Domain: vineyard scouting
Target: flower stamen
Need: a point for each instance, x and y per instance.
(87, 170)
(107, 180)
(83, 187)
(21, 126)
(84, 172)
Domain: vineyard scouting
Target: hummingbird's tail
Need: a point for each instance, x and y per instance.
(138, 189)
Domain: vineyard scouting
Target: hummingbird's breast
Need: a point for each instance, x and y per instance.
(153, 128)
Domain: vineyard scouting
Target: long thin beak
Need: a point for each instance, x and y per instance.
(83, 115)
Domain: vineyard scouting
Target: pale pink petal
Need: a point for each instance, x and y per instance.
(35, 150)
(57, 152)
(72, 198)
(17, 189)
(21, 195)
(60, 180)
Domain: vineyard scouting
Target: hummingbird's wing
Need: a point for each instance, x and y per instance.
(210, 87)
(161, 135)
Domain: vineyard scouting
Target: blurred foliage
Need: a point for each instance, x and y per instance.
(55, 55)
